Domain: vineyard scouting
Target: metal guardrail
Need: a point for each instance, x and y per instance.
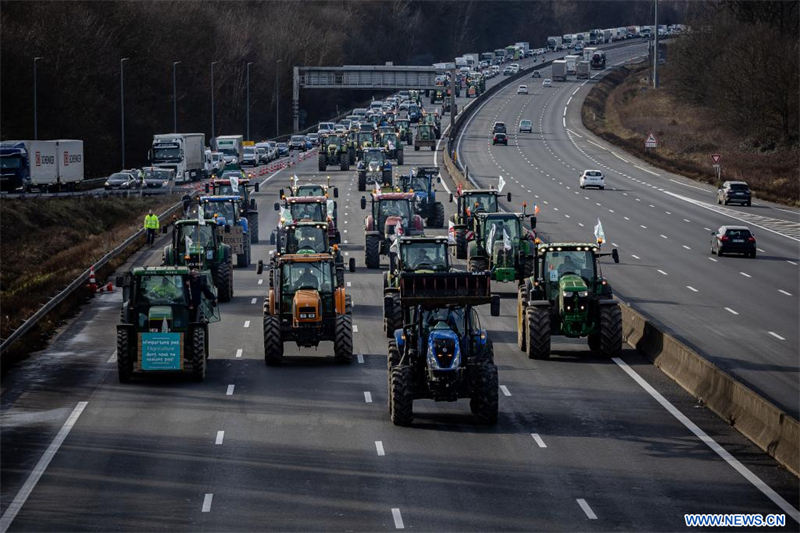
(79, 282)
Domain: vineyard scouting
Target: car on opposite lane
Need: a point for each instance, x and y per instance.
(536, 74)
(734, 192)
(733, 240)
(547, 82)
(500, 138)
(125, 180)
(526, 126)
(592, 178)
(522, 89)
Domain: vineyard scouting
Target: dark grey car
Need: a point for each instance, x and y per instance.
(733, 240)
(734, 192)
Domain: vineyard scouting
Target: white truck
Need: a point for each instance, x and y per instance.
(232, 146)
(185, 153)
(524, 47)
(582, 70)
(461, 62)
(559, 70)
(554, 42)
(607, 36)
(588, 53)
(572, 63)
(42, 165)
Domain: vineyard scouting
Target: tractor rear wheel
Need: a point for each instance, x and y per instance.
(223, 279)
(522, 304)
(538, 331)
(362, 181)
(348, 305)
(252, 222)
(461, 244)
(343, 339)
(372, 251)
(392, 360)
(402, 395)
(484, 401)
(394, 317)
(437, 220)
(199, 355)
(351, 153)
(273, 345)
(323, 161)
(344, 161)
(124, 359)
(610, 331)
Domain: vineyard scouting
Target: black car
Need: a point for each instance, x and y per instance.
(500, 138)
(734, 192)
(297, 142)
(499, 127)
(733, 240)
(122, 180)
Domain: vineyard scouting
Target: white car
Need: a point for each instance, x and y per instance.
(526, 126)
(522, 89)
(592, 178)
(547, 82)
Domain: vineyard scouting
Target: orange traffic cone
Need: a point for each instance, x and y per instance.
(106, 288)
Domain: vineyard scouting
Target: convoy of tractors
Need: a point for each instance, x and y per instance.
(437, 347)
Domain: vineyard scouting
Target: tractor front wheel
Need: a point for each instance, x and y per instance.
(610, 331)
(392, 361)
(402, 396)
(537, 328)
(394, 316)
(522, 302)
(362, 181)
(252, 222)
(343, 340)
(273, 345)
(438, 215)
(372, 251)
(199, 355)
(323, 161)
(124, 359)
(223, 279)
(344, 161)
(461, 244)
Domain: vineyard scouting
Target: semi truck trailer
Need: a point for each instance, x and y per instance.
(41, 165)
(182, 152)
(559, 70)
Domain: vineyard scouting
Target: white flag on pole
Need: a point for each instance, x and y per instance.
(235, 183)
(501, 184)
(506, 240)
(490, 240)
(189, 243)
(285, 216)
(451, 232)
(201, 215)
(598, 232)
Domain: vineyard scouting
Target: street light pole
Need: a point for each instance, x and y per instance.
(655, 49)
(174, 98)
(122, 105)
(278, 98)
(248, 99)
(35, 103)
(213, 130)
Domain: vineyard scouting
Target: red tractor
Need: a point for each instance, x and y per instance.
(392, 216)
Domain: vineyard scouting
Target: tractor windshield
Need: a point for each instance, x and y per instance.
(310, 190)
(424, 255)
(312, 276)
(482, 202)
(309, 211)
(374, 158)
(390, 139)
(451, 318)
(333, 140)
(222, 209)
(419, 183)
(225, 189)
(365, 137)
(197, 235)
(161, 290)
(394, 208)
(306, 239)
(424, 131)
(557, 264)
(501, 230)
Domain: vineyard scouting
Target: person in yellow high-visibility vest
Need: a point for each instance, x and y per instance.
(151, 225)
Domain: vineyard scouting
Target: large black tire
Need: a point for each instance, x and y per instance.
(522, 303)
(392, 360)
(124, 356)
(344, 161)
(352, 155)
(199, 354)
(527, 268)
(537, 329)
(484, 402)
(348, 305)
(372, 251)
(399, 156)
(273, 345)
(223, 279)
(323, 161)
(461, 244)
(252, 222)
(437, 220)
(416, 148)
(362, 181)
(243, 259)
(402, 395)
(394, 317)
(409, 138)
(343, 339)
(477, 264)
(610, 331)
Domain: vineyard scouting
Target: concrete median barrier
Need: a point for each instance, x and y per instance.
(767, 426)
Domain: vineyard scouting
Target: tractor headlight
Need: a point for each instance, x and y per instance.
(583, 294)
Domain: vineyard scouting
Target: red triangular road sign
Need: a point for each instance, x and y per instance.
(651, 138)
(716, 157)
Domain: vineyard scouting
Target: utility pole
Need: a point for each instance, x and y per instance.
(35, 103)
(213, 130)
(655, 48)
(174, 98)
(248, 99)
(122, 104)
(277, 97)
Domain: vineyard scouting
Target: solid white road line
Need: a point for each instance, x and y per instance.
(207, 503)
(711, 443)
(538, 440)
(113, 358)
(239, 352)
(398, 519)
(587, 140)
(691, 288)
(615, 154)
(229, 392)
(360, 358)
(39, 469)
(776, 335)
(367, 396)
(379, 448)
(505, 390)
(784, 292)
(731, 311)
(247, 323)
(220, 436)
(586, 509)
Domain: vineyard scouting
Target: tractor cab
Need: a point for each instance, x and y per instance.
(227, 211)
(501, 244)
(319, 209)
(373, 168)
(309, 189)
(391, 216)
(470, 202)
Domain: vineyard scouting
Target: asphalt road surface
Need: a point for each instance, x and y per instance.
(582, 443)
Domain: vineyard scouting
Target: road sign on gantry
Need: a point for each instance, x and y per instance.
(651, 141)
(715, 158)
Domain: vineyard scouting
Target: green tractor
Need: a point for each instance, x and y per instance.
(567, 295)
(470, 202)
(425, 137)
(159, 331)
(333, 151)
(391, 144)
(403, 127)
(435, 122)
(199, 244)
(501, 244)
(309, 189)
(364, 141)
(441, 352)
(410, 254)
(351, 138)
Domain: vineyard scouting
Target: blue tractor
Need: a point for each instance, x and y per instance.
(421, 181)
(441, 352)
(228, 211)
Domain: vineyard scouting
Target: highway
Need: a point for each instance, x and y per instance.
(582, 443)
(742, 314)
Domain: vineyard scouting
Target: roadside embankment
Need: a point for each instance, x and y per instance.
(622, 109)
(48, 243)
